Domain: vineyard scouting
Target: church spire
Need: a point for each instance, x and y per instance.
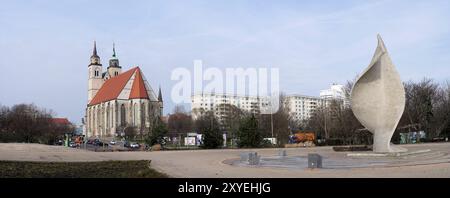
(95, 59)
(114, 50)
(159, 95)
(114, 61)
(94, 53)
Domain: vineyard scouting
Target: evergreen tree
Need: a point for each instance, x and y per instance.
(157, 135)
(212, 138)
(209, 127)
(248, 134)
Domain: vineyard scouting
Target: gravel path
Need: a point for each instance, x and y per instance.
(210, 163)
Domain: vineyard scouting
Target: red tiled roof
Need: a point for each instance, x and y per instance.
(60, 121)
(138, 89)
(112, 88)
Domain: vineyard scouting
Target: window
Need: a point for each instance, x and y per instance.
(107, 117)
(142, 114)
(122, 115)
(135, 116)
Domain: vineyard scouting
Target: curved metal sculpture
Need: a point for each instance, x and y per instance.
(378, 100)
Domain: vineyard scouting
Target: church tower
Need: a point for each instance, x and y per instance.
(114, 69)
(95, 80)
(160, 101)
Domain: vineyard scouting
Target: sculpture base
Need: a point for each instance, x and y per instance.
(398, 149)
(296, 159)
(383, 144)
(390, 148)
(394, 154)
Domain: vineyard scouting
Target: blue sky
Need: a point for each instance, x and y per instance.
(45, 45)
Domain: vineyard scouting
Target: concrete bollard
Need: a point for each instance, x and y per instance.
(282, 153)
(253, 158)
(314, 160)
(244, 156)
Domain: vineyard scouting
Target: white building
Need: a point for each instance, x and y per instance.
(335, 92)
(220, 104)
(302, 107)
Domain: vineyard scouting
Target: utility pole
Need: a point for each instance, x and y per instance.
(271, 114)
(271, 120)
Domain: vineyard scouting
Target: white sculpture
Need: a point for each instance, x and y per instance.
(378, 100)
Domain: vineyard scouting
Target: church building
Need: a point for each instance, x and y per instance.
(117, 100)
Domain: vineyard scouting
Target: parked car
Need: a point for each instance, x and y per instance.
(113, 142)
(59, 142)
(134, 145)
(126, 144)
(72, 144)
(97, 142)
(91, 141)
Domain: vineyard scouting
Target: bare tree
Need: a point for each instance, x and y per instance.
(179, 121)
(231, 118)
(319, 122)
(28, 123)
(278, 123)
(441, 113)
(335, 121)
(421, 103)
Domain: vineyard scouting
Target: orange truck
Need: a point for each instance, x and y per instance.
(301, 137)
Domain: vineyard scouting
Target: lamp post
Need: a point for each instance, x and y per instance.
(271, 118)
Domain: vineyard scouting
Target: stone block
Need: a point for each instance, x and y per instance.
(314, 160)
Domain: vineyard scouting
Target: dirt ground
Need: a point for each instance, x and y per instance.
(210, 163)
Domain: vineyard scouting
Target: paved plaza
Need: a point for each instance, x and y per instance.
(226, 163)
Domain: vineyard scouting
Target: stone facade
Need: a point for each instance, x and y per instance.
(110, 118)
(119, 100)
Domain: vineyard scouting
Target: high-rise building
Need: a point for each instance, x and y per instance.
(335, 92)
(302, 107)
(221, 104)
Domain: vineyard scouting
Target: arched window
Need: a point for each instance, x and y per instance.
(135, 114)
(122, 115)
(130, 114)
(93, 121)
(142, 115)
(99, 120)
(89, 120)
(107, 117)
(111, 116)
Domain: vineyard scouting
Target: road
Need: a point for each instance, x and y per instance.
(210, 163)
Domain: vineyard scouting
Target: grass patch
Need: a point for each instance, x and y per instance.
(103, 169)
